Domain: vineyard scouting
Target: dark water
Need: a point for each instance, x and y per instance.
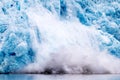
(58, 77)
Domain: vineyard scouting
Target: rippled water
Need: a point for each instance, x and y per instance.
(58, 77)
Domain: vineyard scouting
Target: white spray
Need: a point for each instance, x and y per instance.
(67, 45)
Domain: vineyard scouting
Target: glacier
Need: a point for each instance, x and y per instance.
(59, 36)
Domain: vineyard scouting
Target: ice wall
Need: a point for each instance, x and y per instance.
(72, 36)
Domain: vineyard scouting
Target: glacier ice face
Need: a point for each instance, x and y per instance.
(33, 30)
(15, 51)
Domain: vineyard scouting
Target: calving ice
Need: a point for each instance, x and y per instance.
(59, 36)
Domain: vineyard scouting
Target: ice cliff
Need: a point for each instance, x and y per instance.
(60, 36)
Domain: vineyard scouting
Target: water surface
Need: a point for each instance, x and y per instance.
(58, 77)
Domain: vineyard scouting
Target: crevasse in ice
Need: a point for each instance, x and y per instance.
(16, 48)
